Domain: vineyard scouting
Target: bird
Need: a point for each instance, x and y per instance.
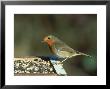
(61, 49)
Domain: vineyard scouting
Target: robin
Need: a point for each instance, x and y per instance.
(61, 49)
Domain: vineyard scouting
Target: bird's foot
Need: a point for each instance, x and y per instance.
(58, 63)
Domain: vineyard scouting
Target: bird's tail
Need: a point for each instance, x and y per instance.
(80, 53)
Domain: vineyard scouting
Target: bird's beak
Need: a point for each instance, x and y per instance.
(44, 40)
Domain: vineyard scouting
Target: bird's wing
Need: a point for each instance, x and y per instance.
(67, 48)
(63, 48)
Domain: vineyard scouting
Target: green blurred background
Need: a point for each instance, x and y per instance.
(79, 31)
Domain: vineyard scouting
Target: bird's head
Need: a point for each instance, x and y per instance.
(50, 40)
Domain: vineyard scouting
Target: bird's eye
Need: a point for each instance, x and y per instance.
(48, 37)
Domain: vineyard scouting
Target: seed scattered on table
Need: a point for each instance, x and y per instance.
(32, 66)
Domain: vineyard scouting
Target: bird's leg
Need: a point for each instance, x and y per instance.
(64, 60)
(59, 63)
